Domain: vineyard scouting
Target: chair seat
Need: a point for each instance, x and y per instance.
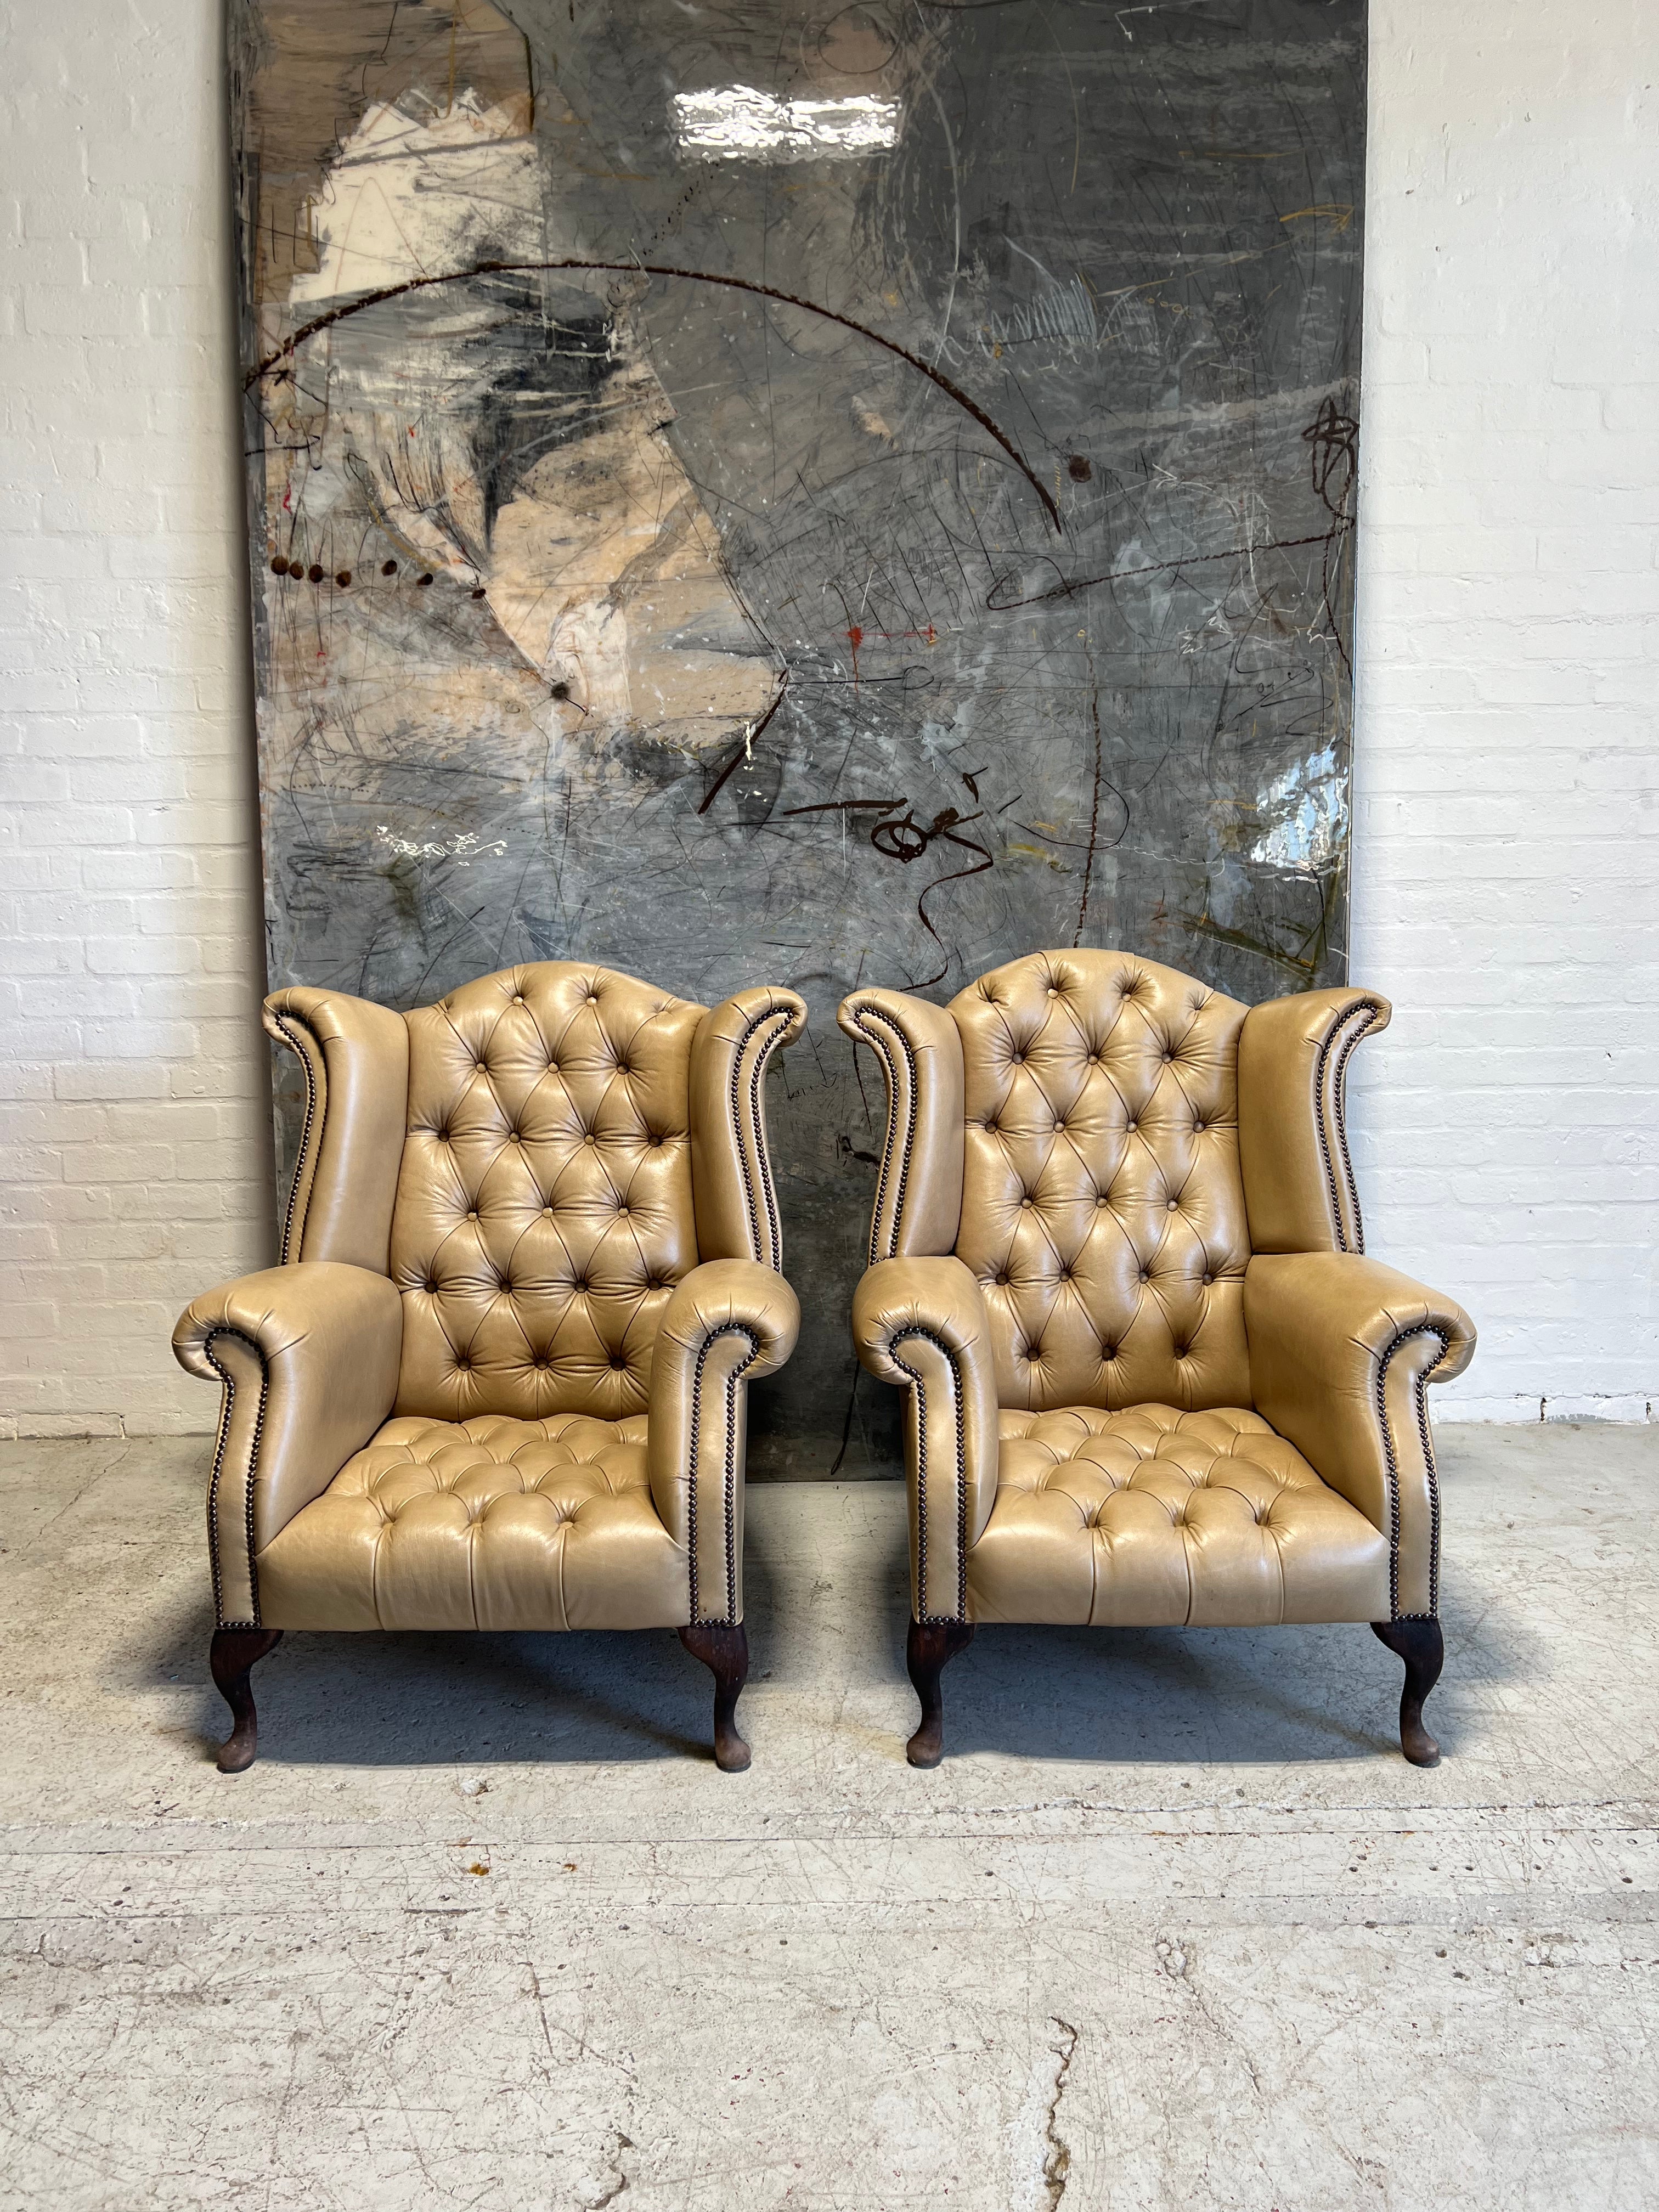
(487, 1523)
(1150, 1518)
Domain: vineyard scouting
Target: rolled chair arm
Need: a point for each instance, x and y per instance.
(730, 1322)
(308, 1358)
(737, 1206)
(922, 1323)
(1341, 1351)
(917, 1208)
(354, 1056)
(1293, 1054)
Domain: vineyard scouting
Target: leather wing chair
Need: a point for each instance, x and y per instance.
(1117, 1262)
(531, 1261)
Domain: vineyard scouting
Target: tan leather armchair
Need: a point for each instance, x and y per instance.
(531, 1262)
(1117, 1262)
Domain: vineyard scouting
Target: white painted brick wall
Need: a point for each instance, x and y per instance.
(1507, 792)
(1505, 802)
(132, 1117)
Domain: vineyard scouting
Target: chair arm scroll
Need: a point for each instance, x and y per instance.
(308, 1358)
(737, 1206)
(1341, 1351)
(921, 1324)
(917, 1208)
(1293, 1054)
(729, 1323)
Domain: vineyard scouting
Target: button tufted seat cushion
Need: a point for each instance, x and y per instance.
(486, 1524)
(1155, 1518)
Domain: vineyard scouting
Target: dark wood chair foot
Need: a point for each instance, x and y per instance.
(1423, 1647)
(929, 1645)
(725, 1652)
(235, 1652)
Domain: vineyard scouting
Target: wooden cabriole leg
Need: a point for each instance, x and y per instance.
(929, 1645)
(725, 1652)
(235, 1653)
(1420, 1645)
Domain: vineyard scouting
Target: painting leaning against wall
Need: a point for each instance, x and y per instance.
(785, 492)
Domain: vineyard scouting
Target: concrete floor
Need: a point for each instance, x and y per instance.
(1174, 1926)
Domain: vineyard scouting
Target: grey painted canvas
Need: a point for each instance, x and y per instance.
(773, 490)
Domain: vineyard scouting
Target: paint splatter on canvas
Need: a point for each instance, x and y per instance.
(780, 490)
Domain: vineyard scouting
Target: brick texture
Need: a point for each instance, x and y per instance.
(1506, 795)
(134, 1135)
(1506, 785)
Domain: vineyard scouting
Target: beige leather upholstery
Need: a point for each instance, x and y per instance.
(500, 1381)
(730, 1324)
(1146, 1254)
(731, 1166)
(307, 1356)
(490, 1523)
(919, 1196)
(355, 1059)
(1341, 1351)
(1153, 1518)
(1292, 1061)
(921, 1324)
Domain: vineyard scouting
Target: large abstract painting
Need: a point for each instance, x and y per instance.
(784, 490)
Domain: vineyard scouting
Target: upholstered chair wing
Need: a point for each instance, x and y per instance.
(1117, 1262)
(531, 1262)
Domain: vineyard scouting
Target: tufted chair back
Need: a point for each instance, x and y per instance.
(1102, 1204)
(573, 1143)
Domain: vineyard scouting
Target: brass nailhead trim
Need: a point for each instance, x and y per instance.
(729, 1499)
(226, 1411)
(283, 1021)
(1344, 1035)
(785, 1015)
(920, 1389)
(1420, 1392)
(878, 1028)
